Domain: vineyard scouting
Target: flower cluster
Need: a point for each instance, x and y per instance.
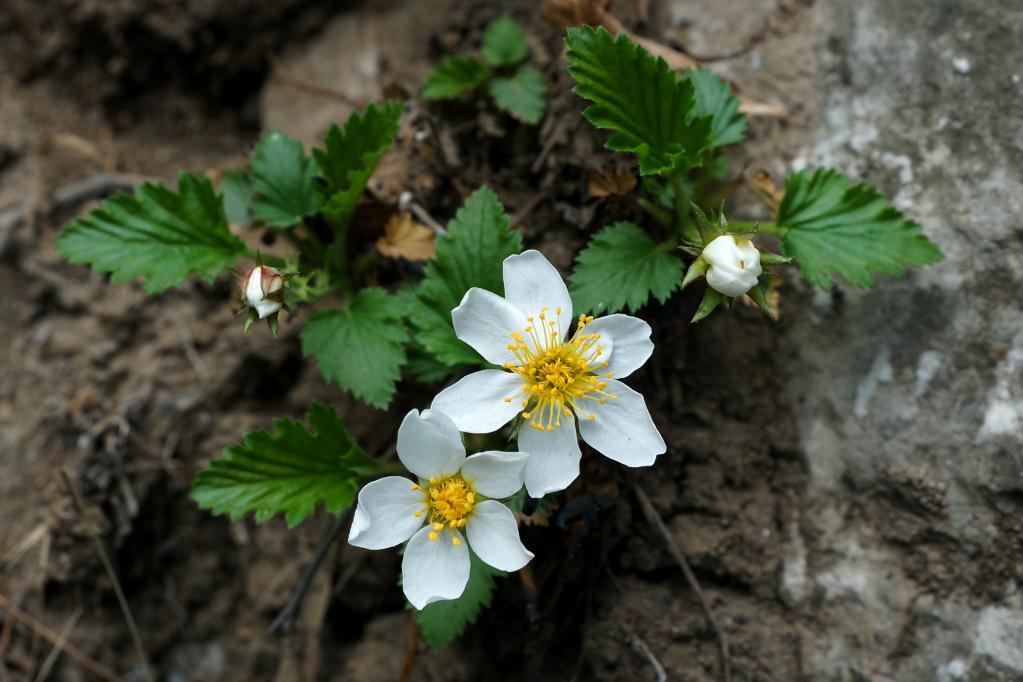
(559, 373)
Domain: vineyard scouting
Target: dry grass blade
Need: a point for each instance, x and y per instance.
(58, 646)
(108, 566)
(46, 633)
(654, 519)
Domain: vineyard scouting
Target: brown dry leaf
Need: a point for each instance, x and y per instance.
(763, 186)
(610, 183)
(405, 238)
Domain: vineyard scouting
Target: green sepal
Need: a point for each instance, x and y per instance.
(711, 300)
(759, 297)
(768, 258)
(697, 269)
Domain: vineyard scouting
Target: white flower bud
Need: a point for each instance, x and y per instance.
(263, 289)
(734, 265)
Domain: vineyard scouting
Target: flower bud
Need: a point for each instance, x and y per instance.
(734, 265)
(262, 289)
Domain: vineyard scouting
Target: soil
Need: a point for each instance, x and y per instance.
(129, 395)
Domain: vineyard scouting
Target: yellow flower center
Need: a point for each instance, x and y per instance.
(557, 376)
(449, 502)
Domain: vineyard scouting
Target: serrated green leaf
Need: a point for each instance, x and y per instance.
(504, 42)
(351, 154)
(156, 234)
(714, 98)
(651, 111)
(236, 187)
(361, 347)
(442, 622)
(282, 176)
(829, 225)
(522, 95)
(454, 76)
(469, 255)
(621, 267)
(290, 471)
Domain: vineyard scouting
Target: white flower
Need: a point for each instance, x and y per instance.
(734, 265)
(451, 498)
(549, 378)
(262, 288)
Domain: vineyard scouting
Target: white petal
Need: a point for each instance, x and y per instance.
(476, 403)
(485, 321)
(434, 570)
(253, 287)
(629, 342)
(531, 282)
(495, 474)
(266, 308)
(385, 516)
(553, 457)
(623, 429)
(494, 536)
(429, 444)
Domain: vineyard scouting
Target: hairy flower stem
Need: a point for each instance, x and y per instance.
(753, 225)
(654, 211)
(686, 228)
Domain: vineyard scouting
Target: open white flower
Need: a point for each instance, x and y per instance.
(452, 497)
(734, 265)
(549, 378)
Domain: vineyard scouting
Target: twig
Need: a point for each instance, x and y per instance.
(285, 620)
(641, 648)
(410, 648)
(112, 575)
(655, 520)
(528, 208)
(312, 88)
(72, 651)
(59, 645)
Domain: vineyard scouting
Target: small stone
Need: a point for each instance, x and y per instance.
(961, 65)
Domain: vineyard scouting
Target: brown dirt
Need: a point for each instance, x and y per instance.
(131, 394)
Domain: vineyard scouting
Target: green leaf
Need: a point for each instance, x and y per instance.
(282, 176)
(471, 254)
(522, 95)
(351, 154)
(504, 42)
(714, 98)
(442, 622)
(650, 110)
(157, 234)
(236, 186)
(621, 267)
(454, 76)
(361, 347)
(291, 470)
(832, 226)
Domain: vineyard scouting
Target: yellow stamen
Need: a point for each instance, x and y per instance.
(455, 540)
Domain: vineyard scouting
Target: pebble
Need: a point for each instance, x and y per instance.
(961, 65)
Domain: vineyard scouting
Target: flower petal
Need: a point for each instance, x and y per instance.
(553, 457)
(630, 342)
(531, 282)
(434, 570)
(429, 444)
(494, 536)
(495, 474)
(385, 515)
(485, 321)
(476, 403)
(622, 429)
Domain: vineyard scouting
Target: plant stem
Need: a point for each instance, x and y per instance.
(685, 226)
(656, 212)
(753, 225)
